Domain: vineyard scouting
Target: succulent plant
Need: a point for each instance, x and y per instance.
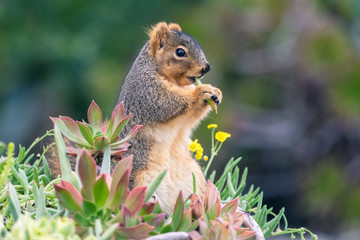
(217, 221)
(27, 228)
(107, 198)
(182, 220)
(97, 135)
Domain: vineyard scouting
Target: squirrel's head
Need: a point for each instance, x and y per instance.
(178, 56)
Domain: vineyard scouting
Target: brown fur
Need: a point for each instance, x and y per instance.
(160, 94)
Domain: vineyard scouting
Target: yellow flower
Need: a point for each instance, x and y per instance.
(206, 158)
(194, 145)
(198, 155)
(212, 126)
(222, 136)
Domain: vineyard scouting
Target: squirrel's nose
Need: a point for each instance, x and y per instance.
(205, 69)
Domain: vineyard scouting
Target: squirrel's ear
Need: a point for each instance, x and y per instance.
(174, 27)
(157, 36)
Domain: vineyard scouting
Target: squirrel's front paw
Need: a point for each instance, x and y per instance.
(206, 91)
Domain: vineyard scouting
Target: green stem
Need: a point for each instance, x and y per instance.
(214, 152)
(37, 140)
(300, 231)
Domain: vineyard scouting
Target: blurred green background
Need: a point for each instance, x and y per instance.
(289, 72)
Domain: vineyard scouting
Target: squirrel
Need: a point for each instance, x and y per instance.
(160, 93)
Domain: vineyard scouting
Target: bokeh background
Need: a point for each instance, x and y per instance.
(289, 71)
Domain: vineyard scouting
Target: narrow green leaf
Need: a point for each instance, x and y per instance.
(44, 179)
(228, 168)
(36, 177)
(230, 186)
(41, 204)
(258, 208)
(270, 226)
(64, 161)
(18, 177)
(13, 201)
(154, 184)
(262, 217)
(28, 159)
(105, 165)
(178, 211)
(46, 167)
(212, 176)
(239, 190)
(235, 177)
(21, 154)
(109, 232)
(194, 183)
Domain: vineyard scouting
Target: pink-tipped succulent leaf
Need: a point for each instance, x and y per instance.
(95, 115)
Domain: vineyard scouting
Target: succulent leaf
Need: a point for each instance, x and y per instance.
(100, 143)
(119, 191)
(73, 151)
(87, 173)
(86, 133)
(130, 135)
(117, 116)
(120, 168)
(154, 184)
(230, 207)
(139, 231)
(68, 196)
(212, 202)
(89, 208)
(72, 126)
(136, 199)
(154, 219)
(95, 115)
(101, 191)
(185, 222)
(116, 129)
(67, 133)
(147, 208)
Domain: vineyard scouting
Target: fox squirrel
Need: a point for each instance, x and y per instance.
(160, 93)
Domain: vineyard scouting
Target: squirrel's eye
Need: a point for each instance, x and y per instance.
(180, 52)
